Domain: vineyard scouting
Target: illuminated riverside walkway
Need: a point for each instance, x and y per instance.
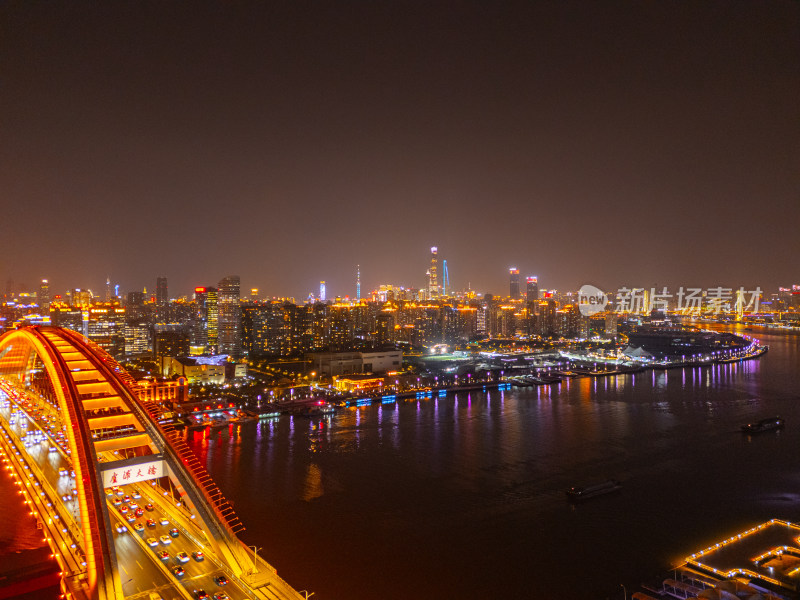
(123, 503)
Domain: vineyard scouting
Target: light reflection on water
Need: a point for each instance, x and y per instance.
(428, 496)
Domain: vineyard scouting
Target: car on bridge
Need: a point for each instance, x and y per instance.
(165, 539)
(139, 527)
(198, 556)
(174, 532)
(152, 542)
(221, 580)
(164, 521)
(163, 556)
(182, 557)
(150, 523)
(179, 571)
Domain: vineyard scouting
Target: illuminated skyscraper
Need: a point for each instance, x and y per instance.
(322, 291)
(433, 273)
(513, 273)
(230, 317)
(162, 297)
(212, 318)
(44, 295)
(358, 282)
(532, 290)
(106, 327)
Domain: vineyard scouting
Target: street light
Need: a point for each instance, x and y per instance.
(255, 552)
(624, 590)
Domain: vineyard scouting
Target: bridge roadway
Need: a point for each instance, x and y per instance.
(39, 457)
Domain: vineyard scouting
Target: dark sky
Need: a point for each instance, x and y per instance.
(636, 143)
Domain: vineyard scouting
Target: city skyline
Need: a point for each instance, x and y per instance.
(159, 295)
(615, 143)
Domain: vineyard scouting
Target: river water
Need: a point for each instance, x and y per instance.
(463, 497)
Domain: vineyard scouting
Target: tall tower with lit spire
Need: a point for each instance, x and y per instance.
(433, 273)
(358, 283)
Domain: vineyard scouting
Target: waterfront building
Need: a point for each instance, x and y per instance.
(166, 393)
(347, 363)
(358, 384)
(193, 370)
(761, 562)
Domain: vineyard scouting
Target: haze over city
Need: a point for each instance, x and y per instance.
(617, 143)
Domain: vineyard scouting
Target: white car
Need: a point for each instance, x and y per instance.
(165, 539)
(164, 521)
(152, 542)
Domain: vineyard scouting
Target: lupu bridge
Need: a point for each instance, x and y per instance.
(126, 508)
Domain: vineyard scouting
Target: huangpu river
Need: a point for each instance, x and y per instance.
(463, 497)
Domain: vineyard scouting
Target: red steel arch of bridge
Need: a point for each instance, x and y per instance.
(93, 395)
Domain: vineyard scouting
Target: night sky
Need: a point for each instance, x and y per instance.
(638, 143)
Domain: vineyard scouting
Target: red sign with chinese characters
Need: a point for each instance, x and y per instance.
(132, 474)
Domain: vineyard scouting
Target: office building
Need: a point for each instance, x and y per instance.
(229, 340)
(105, 326)
(44, 296)
(162, 296)
(532, 289)
(513, 275)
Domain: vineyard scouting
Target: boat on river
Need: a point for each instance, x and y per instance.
(770, 424)
(600, 489)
